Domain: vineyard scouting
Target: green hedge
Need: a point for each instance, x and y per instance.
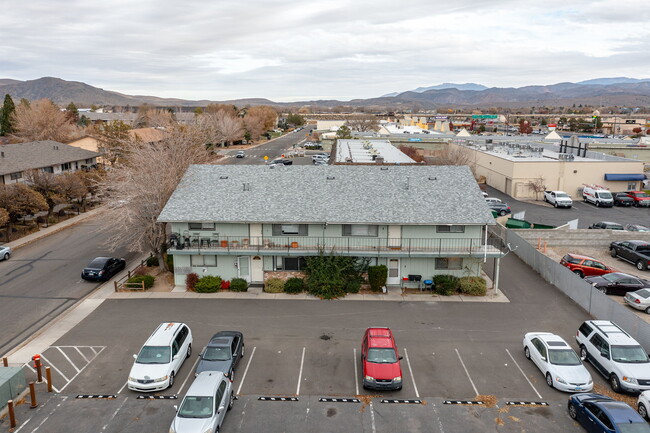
(474, 286)
(208, 284)
(353, 285)
(238, 285)
(274, 285)
(294, 285)
(377, 276)
(152, 261)
(148, 281)
(446, 285)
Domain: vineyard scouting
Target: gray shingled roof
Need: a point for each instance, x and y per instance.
(37, 154)
(333, 194)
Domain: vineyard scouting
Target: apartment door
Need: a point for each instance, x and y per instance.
(257, 270)
(244, 268)
(393, 272)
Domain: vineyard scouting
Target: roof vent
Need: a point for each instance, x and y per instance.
(247, 186)
(384, 168)
(2, 154)
(433, 178)
(330, 178)
(223, 177)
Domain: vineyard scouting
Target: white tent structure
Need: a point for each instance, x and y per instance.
(463, 133)
(553, 136)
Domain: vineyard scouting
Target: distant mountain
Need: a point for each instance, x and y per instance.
(617, 80)
(466, 86)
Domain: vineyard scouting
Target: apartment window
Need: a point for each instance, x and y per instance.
(203, 261)
(89, 161)
(450, 229)
(289, 229)
(201, 226)
(65, 166)
(47, 169)
(291, 263)
(449, 263)
(16, 176)
(631, 186)
(360, 230)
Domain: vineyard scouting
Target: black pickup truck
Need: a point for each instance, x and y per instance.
(636, 252)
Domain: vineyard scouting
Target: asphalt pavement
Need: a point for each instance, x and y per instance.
(272, 149)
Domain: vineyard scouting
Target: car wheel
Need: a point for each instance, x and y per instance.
(526, 352)
(579, 273)
(603, 290)
(189, 351)
(640, 265)
(549, 380)
(643, 411)
(171, 380)
(597, 204)
(583, 353)
(614, 383)
(555, 204)
(612, 252)
(573, 413)
(6, 256)
(231, 403)
(647, 310)
(502, 213)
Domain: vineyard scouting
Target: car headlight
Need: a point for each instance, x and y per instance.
(590, 381)
(559, 379)
(594, 284)
(370, 378)
(171, 429)
(630, 380)
(397, 379)
(133, 379)
(161, 379)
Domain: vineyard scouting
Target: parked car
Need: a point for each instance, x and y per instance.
(490, 200)
(597, 195)
(5, 252)
(558, 198)
(617, 283)
(160, 358)
(599, 413)
(634, 251)
(557, 361)
(641, 199)
(584, 266)
(381, 361)
(500, 208)
(636, 228)
(606, 225)
(643, 404)
(205, 405)
(102, 268)
(222, 353)
(280, 161)
(240, 154)
(622, 199)
(615, 354)
(639, 300)
(312, 145)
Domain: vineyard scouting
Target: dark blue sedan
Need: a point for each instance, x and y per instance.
(599, 413)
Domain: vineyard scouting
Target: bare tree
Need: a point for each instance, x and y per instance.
(138, 187)
(411, 152)
(42, 120)
(4, 217)
(537, 185)
(254, 126)
(72, 187)
(46, 184)
(19, 200)
(455, 155)
(268, 114)
(149, 116)
(362, 122)
(220, 128)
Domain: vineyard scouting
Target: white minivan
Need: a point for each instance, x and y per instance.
(161, 357)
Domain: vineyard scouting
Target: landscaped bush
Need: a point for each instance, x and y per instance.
(274, 285)
(294, 285)
(152, 261)
(328, 275)
(474, 286)
(377, 276)
(445, 284)
(353, 285)
(170, 262)
(238, 285)
(148, 280)
(61, 212)
(190, 281)
(208, 284)
(225, 285)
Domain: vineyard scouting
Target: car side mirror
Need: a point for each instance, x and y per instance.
(221, 408)
(175, 357)
(604, 355)
(401, 357)
(543, 358)
(135, 356)
(176, 408)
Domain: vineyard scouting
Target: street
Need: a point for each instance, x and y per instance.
(273, 149)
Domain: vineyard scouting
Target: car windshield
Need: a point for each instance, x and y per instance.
(563, 195)
(382, 356)
(216, 354)
(643, 293)
(629, 354)
(563, 357)
(97, 263)
(196, 407)
(641, 194)
(612, 278)
(633, 427)
(154, 355)
(605, 195)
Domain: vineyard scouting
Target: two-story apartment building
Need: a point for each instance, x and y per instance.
(251, 221)
(49, 156)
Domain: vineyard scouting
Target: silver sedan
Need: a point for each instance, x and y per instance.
(5, 252)
(639, 300)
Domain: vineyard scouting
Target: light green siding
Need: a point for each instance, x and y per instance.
(430, 232)
(222, 230)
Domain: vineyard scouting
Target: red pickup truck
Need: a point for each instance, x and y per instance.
(640, 198)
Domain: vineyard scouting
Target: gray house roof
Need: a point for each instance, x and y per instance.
(423, 195)
(37, 154)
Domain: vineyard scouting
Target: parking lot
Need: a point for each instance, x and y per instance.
(305, 351)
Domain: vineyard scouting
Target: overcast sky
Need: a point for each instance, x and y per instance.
(321, 49)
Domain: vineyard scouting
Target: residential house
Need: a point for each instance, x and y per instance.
(255, 222)
(49, 156)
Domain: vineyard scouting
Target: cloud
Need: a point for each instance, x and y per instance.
(341, 49)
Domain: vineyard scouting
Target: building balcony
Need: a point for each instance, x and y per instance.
(348, 246)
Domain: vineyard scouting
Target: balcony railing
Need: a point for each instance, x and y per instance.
(350, 244)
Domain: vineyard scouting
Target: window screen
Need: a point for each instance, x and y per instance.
(360, 230)
(451, 263)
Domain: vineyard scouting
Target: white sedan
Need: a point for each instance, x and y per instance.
(560, 365)
(639, 300)
(5, 252)
(643, 404)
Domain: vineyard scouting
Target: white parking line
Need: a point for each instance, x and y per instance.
(466, 372)
(302, 361)
(54, 367)
(408, 362)
(523, 374)
(246, 370)
(73, 377)
(188, 376)
(114, 414)
(372, 418)
(82, 355)
(356, 374)
(66, 357)
(123, 386)
(51, 412)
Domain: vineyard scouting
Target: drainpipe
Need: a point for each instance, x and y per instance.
(485, 245)
(496, 276)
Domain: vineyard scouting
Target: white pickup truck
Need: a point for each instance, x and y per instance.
(558, 198)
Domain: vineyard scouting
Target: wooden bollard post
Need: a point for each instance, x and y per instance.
(48, 375)
(12, 415)
(545, 243)
(38, 366)
(539, 243)
(32, 395)
(5, 361)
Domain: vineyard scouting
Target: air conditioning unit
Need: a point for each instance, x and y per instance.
(565, 156)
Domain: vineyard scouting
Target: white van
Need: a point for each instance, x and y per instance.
(161, 357)
(597, 195)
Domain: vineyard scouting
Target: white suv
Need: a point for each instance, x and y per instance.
(615, 354)
(161, 357)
